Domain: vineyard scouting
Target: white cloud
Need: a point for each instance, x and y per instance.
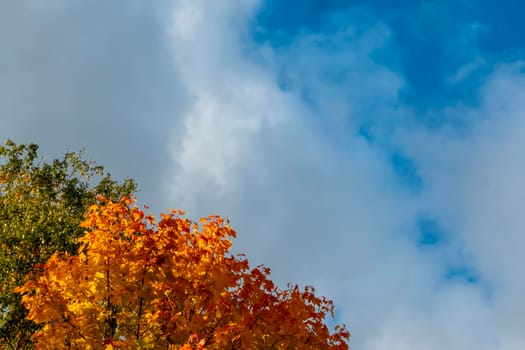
(329, 215)
(456, 320)
(475, 178)
(312, 210)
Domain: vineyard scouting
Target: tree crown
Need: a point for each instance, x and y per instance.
(137, 283)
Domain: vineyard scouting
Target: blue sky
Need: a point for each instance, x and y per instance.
(370, 148)
(431, 40)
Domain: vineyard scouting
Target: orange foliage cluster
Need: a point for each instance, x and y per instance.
(173, 285)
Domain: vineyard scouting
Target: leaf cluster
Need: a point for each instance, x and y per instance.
(135, 283)
(41, 206)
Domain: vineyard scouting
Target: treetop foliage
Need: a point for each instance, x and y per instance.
(41, 206)
(138, 284)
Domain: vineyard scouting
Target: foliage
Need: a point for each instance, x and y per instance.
(41, 207)
(135, 284)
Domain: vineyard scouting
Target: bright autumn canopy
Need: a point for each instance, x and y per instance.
(173, 284)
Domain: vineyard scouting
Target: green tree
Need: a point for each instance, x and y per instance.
(41, 206)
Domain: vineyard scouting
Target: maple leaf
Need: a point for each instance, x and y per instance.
(173, 284)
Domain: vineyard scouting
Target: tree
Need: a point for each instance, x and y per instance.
(41, 207)
(137, 284)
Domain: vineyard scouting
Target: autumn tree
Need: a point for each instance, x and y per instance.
(138, 284)
(41, 206)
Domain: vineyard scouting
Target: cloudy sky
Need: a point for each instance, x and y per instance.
(374, 149)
